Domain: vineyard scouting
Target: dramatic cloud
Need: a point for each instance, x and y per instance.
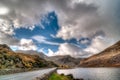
(97, 20)
(98, 44)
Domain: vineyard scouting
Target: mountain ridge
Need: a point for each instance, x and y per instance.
(65, 61)
(110, 57)
(11, 59)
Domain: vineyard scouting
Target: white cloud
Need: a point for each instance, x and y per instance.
(41, 50)
(85, 41)
(42, 39)
(27, 44)
(80, 28)
(50, 53)
(39, 38)
(98, 44)
(53, 36)
(24, 44)
(15, 44)
(68, 49)
(4, 10)
(6, 27)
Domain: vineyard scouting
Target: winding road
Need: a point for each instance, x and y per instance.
(26, 75)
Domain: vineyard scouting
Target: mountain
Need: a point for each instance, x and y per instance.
(11, 59)
(110, 57)
(62, 61)
(65, 61)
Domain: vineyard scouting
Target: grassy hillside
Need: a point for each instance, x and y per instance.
(10, 59)
(110, 57)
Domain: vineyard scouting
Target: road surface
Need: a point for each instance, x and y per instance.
(26, 75)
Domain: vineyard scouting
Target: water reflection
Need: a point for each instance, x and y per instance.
(93, 73)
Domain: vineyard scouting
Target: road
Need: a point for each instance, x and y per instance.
(26, 75)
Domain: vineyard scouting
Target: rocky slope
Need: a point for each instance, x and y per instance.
(62, 61)
(65, 61)
(110, 57)
(10, 59)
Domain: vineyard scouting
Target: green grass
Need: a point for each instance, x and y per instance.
(56, 76)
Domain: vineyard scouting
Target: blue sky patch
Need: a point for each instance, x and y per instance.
(48, 32)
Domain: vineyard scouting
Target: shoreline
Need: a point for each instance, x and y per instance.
(17, 70)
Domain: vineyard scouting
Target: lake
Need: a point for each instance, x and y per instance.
(93, 73)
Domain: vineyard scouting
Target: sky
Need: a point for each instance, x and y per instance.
(79, 28)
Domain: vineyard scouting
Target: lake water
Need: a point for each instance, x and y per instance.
(93, 73)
